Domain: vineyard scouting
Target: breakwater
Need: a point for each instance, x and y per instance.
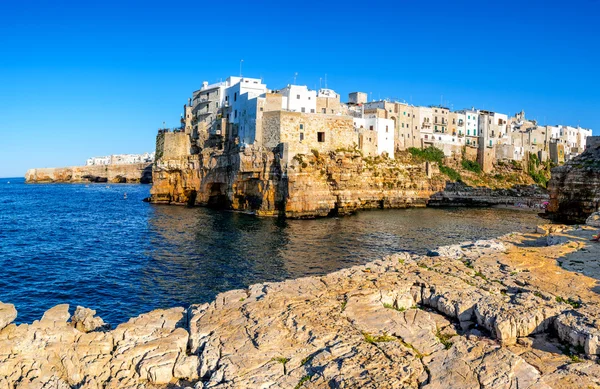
(130, 173)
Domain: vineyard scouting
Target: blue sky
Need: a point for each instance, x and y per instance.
(81, 79)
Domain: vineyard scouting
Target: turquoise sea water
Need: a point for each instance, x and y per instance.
(87, 245)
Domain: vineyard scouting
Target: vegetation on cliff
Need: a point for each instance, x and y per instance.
(460, 168)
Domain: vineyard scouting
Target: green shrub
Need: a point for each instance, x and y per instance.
(451, 173)
(472, 166)
(432, 154)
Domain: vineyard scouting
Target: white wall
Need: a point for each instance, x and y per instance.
(384, 128)
(298, 98)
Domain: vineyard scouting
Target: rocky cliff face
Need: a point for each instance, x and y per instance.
(488, 314)
(258, 181)
(132, 173)
(575, 188)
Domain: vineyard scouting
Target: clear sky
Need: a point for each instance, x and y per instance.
(90, 78)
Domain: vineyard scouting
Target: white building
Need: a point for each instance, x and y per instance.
(241, 103)
(383, 128)
(298, 98)
(471, 126)
(121, 159)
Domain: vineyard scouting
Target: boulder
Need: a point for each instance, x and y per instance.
(84, 320)
(593, 220)
(56, 315)
(8, 313)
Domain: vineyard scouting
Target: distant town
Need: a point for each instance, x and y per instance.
(244, 111)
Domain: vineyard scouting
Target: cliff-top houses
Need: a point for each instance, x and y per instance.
(121, 159)
(243, 111)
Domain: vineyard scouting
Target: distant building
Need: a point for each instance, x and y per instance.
(357, 98)
(121, 159)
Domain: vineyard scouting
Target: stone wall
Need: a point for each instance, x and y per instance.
(575, 188)
(133, 173)
(301, 130)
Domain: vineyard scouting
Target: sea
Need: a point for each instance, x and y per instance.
(90, 245)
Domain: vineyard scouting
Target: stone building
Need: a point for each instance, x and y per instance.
(357, 98)
(440, 119)
(302, 132)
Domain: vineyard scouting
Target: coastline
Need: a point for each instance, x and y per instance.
(131, 173)
(487, 313)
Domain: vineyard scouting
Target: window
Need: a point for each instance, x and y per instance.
(235, 96)
(402, 125)
(226, 98)
(371, 128)
(321, 136)
(312, 110)
(324, 110)
(436, 128)
(386, 129)
(301, 136)
(217, 104)
(261, 109)
(298, 97)
(468, 132)
(301, 126)
(235, 114)
(303, 109)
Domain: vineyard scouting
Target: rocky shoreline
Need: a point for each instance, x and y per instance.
(135, 173)
(518, 311)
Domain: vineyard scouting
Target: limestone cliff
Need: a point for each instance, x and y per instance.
(266, 183)
(575, 188)
(131, 173)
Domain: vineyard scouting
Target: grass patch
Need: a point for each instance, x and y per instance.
(377, 339)
(306, 360)
(390, 306)
(566, 349)
(472, 166)
(302, 381)
(444, 339)
(480, 275)
(432, 154)
(344, 303)
(451, 173)
(573, 303)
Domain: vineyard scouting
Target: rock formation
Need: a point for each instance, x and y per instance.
(256, 180)
(486, 314)
(575, 188)
(132, 173)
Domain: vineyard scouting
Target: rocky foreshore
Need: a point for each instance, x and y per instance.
(520, 311)
(135, 173)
